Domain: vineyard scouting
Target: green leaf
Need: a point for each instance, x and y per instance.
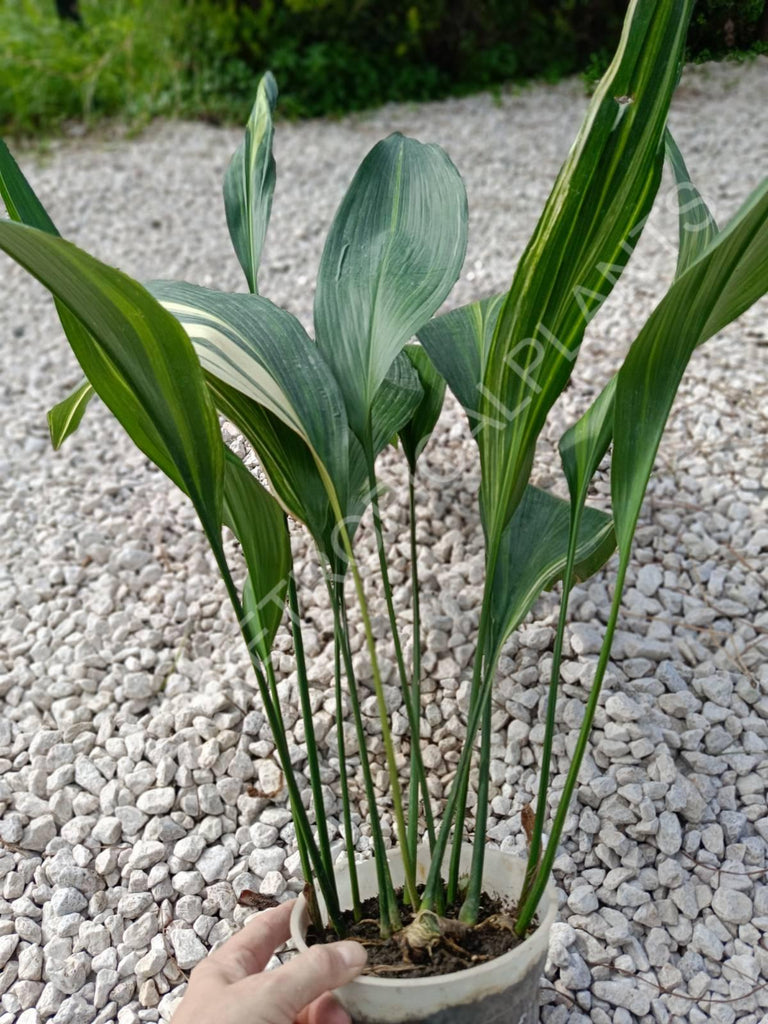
(532, 556)
(285, 458)
(396, 401)
(696, 224)
(24, 206)
(64, 418)
(583, 445)
(730, 275)
(250, 182)
(257, 521)
(116, 393)
(457, 344)
(20, 200)
(292, 471)
(747, 280)
(271, 380)
(138, 359)
(588, 230)
(418, 430)
(394, 251)
(263, 351)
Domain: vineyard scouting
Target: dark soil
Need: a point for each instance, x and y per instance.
(388, 959)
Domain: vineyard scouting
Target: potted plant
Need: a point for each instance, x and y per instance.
(455, 931)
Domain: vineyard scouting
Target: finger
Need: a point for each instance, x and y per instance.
(325, 1010)
(291, 988)
(249, 951)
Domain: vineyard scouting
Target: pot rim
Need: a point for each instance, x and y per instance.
(298, 932)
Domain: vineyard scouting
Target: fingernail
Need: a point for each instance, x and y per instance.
(352, 954)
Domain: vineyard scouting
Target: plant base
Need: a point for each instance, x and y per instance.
(458, 948)
(501, 990)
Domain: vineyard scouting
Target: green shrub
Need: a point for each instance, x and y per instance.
(336, 55)
(201, 58)
(122, 62)
(720, 27)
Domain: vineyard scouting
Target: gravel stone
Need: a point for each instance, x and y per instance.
(585, 639)
(27, 993)
(583, 900)
(157, 801)
(88, 776)
(617, 993)
(622, 708)
(105, 982)
(649, 579)
(28, 1016)
(145, 853)
(107, 830)
(718, 689)
(263, 836)
(138, 934)
(190, 847)
(705, 941)
(71, 975)
(39, 833)
(214, 863)
(151, 963)
(732, 906)
(262, 861)
(669, 836)
(148, 994)
(273, 884)
(67, 901)
(187, 948)
(631, 895)
(133, 904)
(189, 883)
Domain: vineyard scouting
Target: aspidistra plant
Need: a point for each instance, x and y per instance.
(168, 356)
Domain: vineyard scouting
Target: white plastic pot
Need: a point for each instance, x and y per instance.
(502, 991)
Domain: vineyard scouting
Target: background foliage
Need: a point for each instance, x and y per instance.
(201, 58)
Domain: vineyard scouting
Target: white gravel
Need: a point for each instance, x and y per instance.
(133, 753)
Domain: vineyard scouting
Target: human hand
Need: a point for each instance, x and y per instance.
(228, 987)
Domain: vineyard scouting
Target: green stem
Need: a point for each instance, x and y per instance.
(413, 790)
(462, 777)
(459, 788)
(386, 733)
(303, 833)
(302, 843)
(471, 905)
(258, 653)
(528, 909)
(343, 780)
(413, 709)
(388, 912)
(465, 759)
(310, 741)
(534, 851)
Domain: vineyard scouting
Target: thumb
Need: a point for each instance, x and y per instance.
(282, 994)
(324, 1010)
